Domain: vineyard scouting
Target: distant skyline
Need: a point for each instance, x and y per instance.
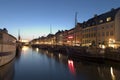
(34, 17)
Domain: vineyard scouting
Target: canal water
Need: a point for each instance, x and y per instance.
(36, 64)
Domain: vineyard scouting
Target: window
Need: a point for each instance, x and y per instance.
(95, 28)
(1, 36)
(102, 27)
(107, 27)
(88, 25)
(98, 34)
(111, 33)
(108, 19)
(111, 26)
(94, 34)
(103, 34)
(107, 33)
(93, 23)
(101, 21)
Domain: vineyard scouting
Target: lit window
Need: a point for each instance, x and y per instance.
(108, 19)
(101, 21)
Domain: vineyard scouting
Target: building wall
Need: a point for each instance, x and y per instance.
(70, 37)
(78, 35)
(105, 32)
(117, 26)
(98, 33)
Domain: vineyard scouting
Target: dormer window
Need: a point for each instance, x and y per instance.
(93, 23)
(108, 19)
(88, 24)
(101, 21)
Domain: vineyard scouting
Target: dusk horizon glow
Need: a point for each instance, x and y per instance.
(34, 17)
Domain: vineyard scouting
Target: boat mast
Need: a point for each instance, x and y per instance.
(19, 38)
(50, 29)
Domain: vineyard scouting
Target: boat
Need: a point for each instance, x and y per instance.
(7, 47)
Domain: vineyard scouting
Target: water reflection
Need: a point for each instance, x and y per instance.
(71, 66)
(112, 73)
(18, 55)
(57, 56)
(25, 49)
(85, 70)
(7, 71)
(37, 49)
(44, 65)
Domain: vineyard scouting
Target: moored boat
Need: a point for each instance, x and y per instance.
(7, 47)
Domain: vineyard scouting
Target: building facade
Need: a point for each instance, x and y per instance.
(102, 29)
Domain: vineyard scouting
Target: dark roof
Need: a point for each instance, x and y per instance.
(96, 19)
(50, 35)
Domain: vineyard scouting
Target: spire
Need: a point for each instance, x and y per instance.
(76, 18)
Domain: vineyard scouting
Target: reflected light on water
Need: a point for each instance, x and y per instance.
(25, 48)
(71, 66)
(59, 55)
(37, 49)
(112, 73)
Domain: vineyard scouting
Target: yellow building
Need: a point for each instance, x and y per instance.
(102, 29)
(78, 34)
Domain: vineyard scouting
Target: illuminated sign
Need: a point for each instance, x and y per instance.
(70, 37)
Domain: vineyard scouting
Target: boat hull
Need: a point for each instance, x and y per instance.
(7, 54)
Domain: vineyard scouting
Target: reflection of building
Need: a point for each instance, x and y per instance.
(7, 71)
(94, 71)
(102, 28)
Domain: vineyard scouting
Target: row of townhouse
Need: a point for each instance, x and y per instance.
(101, 30)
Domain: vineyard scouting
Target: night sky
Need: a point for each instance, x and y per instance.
(34, 17)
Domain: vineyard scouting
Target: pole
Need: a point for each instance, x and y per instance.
(75, 28)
